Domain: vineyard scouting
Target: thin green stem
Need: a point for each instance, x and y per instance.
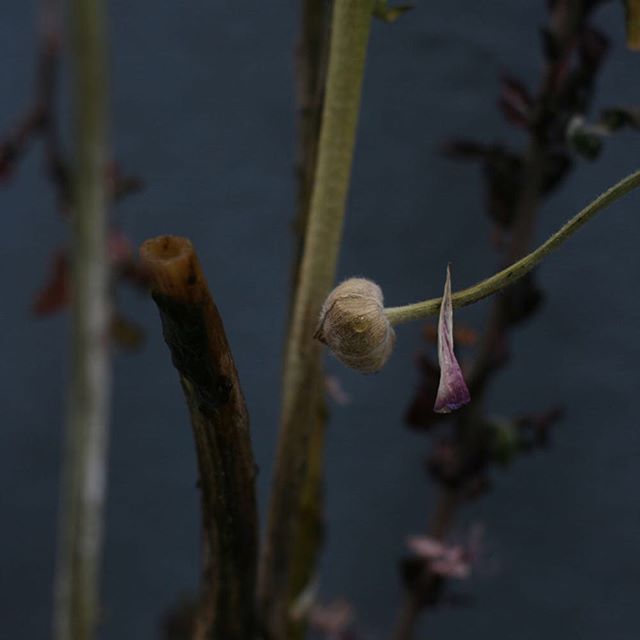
(350, 27)
(504, 278)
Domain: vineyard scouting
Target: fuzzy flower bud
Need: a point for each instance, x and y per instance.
(354, 326)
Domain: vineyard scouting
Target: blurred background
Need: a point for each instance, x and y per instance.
(203, 111)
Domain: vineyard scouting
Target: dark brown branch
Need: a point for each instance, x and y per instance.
(194, 332)
(565, 23)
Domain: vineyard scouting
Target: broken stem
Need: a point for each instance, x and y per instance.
(195, 335)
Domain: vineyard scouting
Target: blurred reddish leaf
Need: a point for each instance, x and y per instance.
(120, 185)
(515, 102)
(54, 295)
(119, 247)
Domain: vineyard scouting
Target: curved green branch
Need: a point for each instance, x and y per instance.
(504, 278)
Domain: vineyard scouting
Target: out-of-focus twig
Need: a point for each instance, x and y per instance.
(351, 22)
(76, 611)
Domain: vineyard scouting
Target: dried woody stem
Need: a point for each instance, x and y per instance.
(76, 609)
(194, 332)
(351, 21)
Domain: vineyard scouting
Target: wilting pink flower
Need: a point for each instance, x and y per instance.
(452, 390)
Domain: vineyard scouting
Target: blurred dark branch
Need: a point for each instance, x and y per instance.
(561, 39)
(426, 583)
(40, 119)
(195, 334)
(566, 20)
(311, 67)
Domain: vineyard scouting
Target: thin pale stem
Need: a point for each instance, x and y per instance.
(76, 609)
(504, 278)
(351, 22)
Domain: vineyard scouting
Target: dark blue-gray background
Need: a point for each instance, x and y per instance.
(202, 108)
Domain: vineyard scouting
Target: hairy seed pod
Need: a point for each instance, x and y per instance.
(354, 326)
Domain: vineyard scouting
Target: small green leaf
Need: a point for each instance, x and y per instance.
(616, 118)
(504, 442)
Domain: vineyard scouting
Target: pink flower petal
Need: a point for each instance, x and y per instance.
(452, 391)
(449, 568)
(426, 547)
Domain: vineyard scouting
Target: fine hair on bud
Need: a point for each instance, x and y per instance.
(354, 326)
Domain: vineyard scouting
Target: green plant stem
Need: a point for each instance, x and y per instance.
(76, 608)
(351, 21)
(504, 278)
(311, 70)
